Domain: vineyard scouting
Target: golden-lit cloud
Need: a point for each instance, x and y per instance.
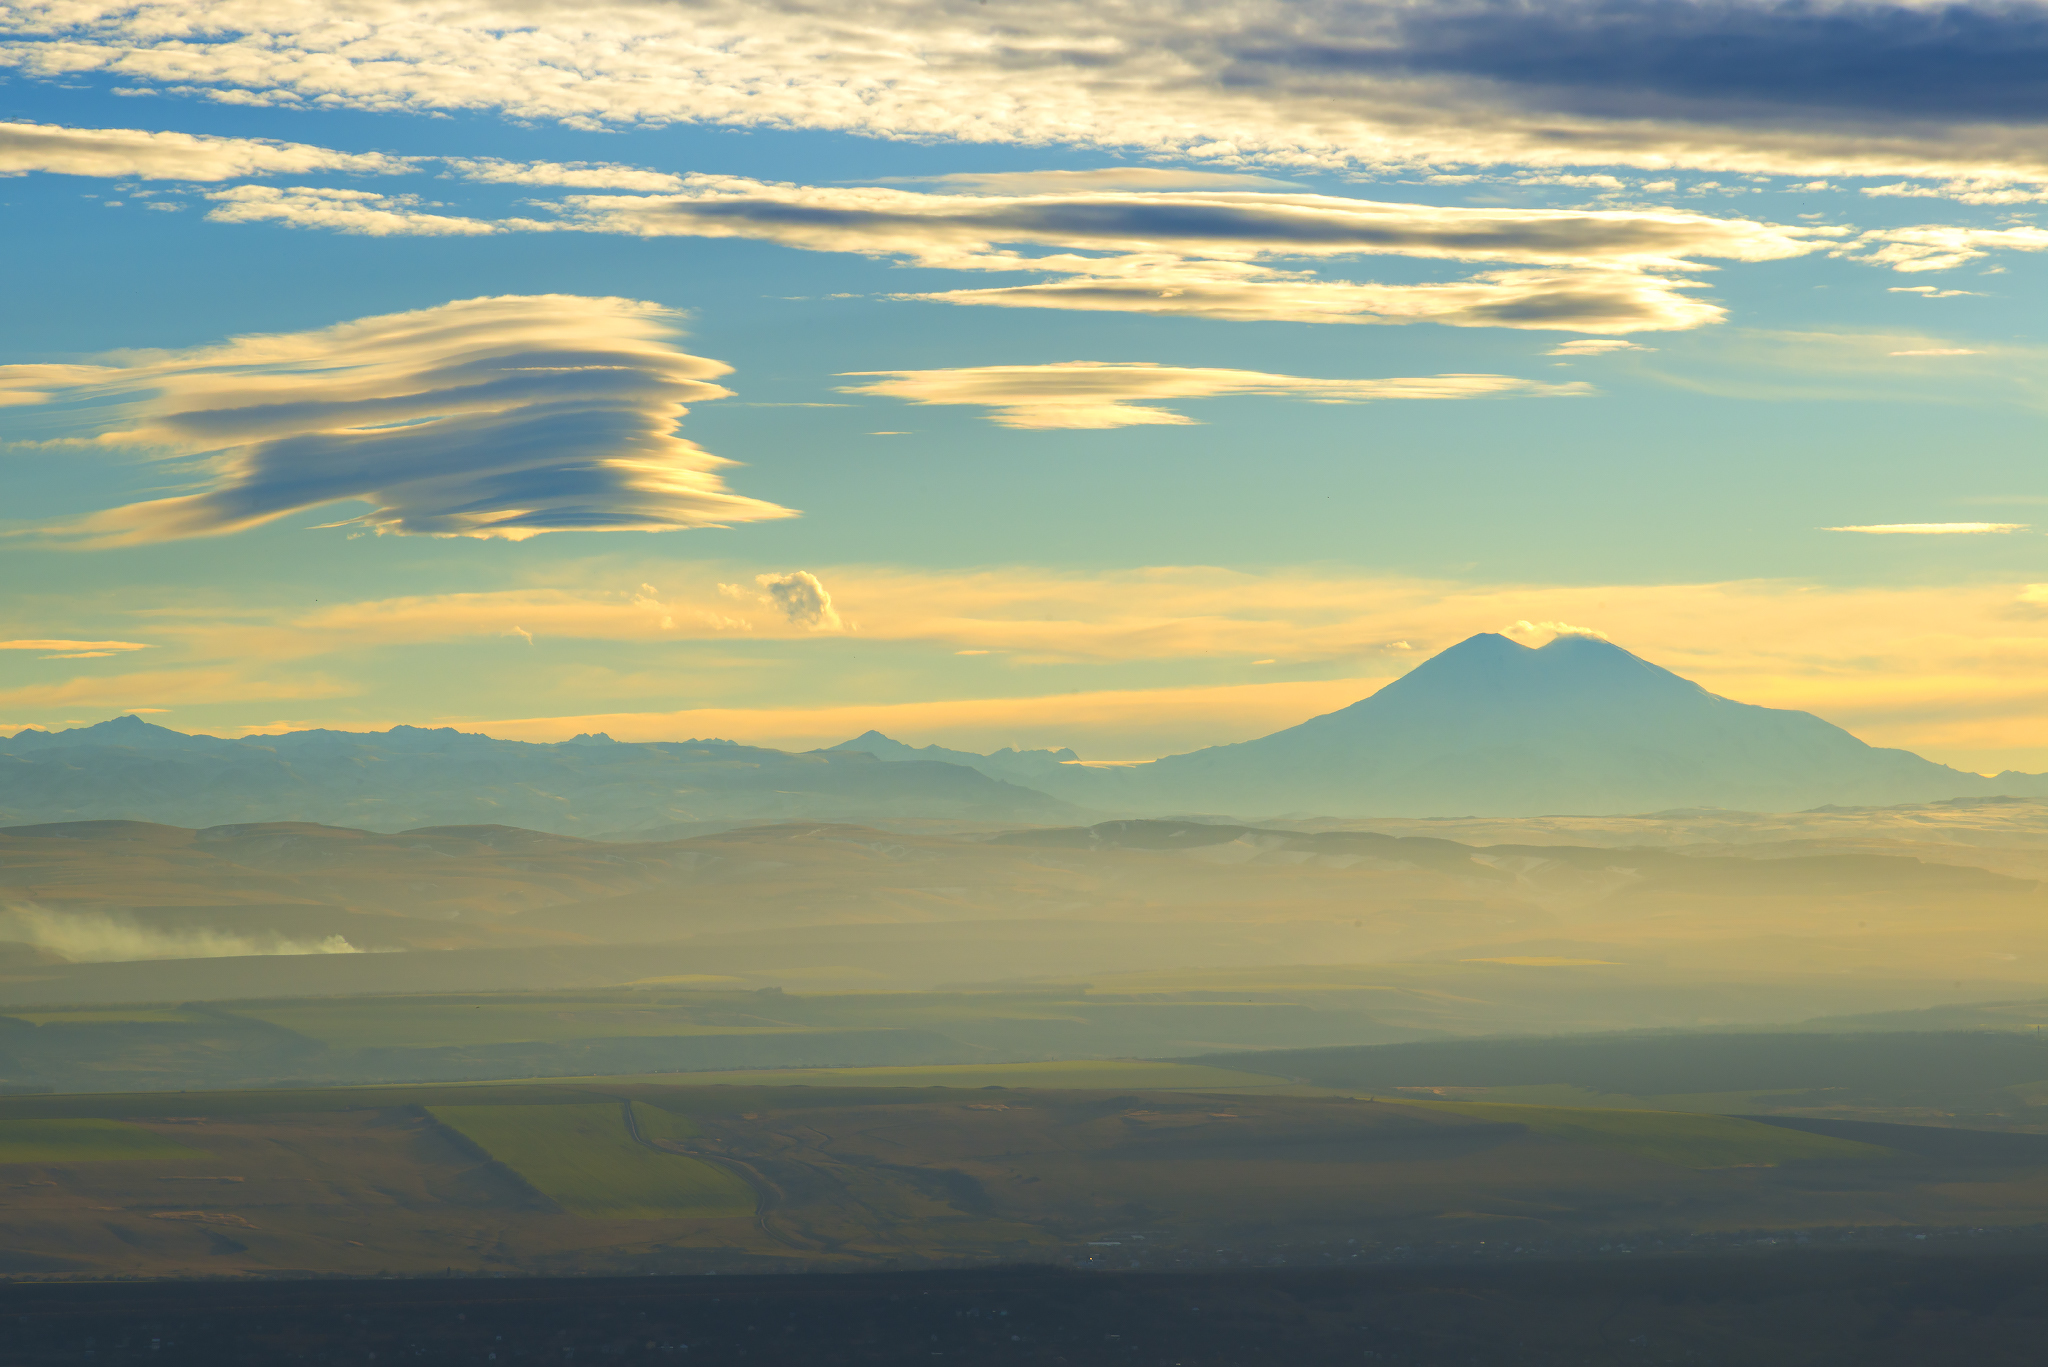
(1933, 528)
(503, 417)
(1103, 394)
(136, 154)
(152, 690)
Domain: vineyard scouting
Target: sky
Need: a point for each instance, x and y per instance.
(1129, 377)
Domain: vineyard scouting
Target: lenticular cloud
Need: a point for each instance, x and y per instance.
(504, 417)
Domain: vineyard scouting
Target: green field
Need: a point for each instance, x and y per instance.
(1083, 1073)
(84, 1141)
(582, 1158)
(1684, 1140)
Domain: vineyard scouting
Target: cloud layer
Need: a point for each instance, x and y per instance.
(1100, 394)
(502, 417)
(132, 153)
(1791, 86)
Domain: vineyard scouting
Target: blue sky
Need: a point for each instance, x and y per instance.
(1002, 546)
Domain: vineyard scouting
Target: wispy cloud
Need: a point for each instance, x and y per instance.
(974, 232)
(1101, 178)
(365, 213)
(134, 154)
(1199, 253)
(1595, 346)
(504, 417)
(1933, 292)
(1933, 528)
(1103, 394)
(1937, 351)
(75, 650)
(1940, 247)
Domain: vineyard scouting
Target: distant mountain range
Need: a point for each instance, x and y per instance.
(411, 776)
(1489, 727)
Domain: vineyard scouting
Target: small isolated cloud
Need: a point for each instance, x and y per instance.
(134, 154)
(504, 417)
(1526, 630)
(1105, 394)
(1595, 346)
(1933, 528)
(802, 599)
(1937, 351)
(1932, 292)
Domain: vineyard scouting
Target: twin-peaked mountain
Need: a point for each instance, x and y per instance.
(1491, 727)
(1487, 728)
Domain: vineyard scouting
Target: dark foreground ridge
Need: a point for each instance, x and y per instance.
(1805, 1309)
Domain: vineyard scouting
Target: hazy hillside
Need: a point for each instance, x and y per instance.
(128, 769)
(1114, 935)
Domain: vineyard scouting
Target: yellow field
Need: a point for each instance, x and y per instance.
(84, 1141)
(1684, 1140)
(582, 1158)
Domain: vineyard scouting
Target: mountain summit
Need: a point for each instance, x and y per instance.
(1494, 727)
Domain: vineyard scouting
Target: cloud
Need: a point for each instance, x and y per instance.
(1205, 253)
(1936, 247)
(362, 213)
(1595, 346)
(499, 417)
(1937, 351)
(1933, 528)
(976, 232)
(1525, 630)
(1102, 178)
(1757, 86)
(801, 598)
(1964, 191)
(591, 174)
(1931, 292)
(91, 647)
(133, 154)
(1573, 301)
(130, 692)
(1103, 394)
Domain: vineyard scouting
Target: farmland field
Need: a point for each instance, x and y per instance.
(583, 1159)
(83, 1141)
(1685, 1140)
(549, 1178)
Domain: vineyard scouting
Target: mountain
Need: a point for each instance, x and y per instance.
(129, 769)
(1491, 727)
(1008, 764)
